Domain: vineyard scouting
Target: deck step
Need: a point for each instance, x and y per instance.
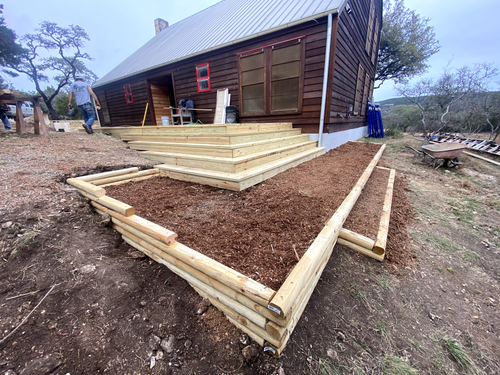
(228, 151)
(240, 180)
(212, 138)
(197, 128)
(225, 164)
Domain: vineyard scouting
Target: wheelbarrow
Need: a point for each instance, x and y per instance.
(448, 152)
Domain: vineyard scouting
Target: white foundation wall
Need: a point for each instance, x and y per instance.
(334, 140)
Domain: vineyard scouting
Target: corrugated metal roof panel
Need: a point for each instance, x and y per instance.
(221, 24)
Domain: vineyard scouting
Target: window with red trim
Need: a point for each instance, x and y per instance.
(203, 77)
(129, 98)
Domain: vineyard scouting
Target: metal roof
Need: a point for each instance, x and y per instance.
(222, 24)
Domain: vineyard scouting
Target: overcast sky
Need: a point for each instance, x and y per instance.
(468, 31)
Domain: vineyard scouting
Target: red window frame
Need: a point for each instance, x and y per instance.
(205, 78)
(129, 97)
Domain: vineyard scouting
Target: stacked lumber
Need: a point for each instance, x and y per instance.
(229, 156)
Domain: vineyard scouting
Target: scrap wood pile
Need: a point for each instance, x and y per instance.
(243, 247)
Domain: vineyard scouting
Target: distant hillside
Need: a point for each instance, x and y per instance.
(395, 101)
(404, 101)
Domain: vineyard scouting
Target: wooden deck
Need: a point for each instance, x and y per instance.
(229, 156)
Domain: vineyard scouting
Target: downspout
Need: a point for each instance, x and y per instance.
(325, 79)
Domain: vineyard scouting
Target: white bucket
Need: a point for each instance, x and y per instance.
(165, 120)
(61, 125)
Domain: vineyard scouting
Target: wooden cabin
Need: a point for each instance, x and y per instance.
(271, 56)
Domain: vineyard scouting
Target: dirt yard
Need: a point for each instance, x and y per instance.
(89, 304)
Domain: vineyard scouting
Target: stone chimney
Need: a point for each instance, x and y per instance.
(160, 25)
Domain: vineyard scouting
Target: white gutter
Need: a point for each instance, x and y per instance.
(325, 78)
(230, 43)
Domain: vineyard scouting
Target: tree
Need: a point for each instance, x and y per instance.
(9, 49)
(65, 59)
(401, 117)
(406, 43)
(440, 101)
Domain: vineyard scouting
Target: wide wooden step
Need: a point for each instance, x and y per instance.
(227, 151)
(196, 128)
(240, 180)
(212, 138)
(230, 165)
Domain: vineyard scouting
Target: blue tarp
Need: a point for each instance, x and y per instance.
(375, 126)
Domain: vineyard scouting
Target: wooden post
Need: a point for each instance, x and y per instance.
(126, 176)
(38, 119)
(154, 230)
(157, 247)
(100, 176)
(356, 238)
(98, 192)
(381, 242)
(300, 276)
(20, 125)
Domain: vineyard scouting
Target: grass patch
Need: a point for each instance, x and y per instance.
(470, 255)
(418, 346)
(328, 368)
(393, 365)
(384, 281)
(460, 356)
(359, 294)
(442, 243)
(29, 238)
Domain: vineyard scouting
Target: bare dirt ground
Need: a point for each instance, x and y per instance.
(90, 306)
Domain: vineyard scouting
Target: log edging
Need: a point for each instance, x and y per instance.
(254, 308)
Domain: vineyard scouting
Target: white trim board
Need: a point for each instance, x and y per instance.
(334, 140)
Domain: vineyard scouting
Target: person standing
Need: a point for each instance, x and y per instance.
(4, 108)
(82, 92)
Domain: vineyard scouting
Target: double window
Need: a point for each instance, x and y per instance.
(271, 79)
(203, 77)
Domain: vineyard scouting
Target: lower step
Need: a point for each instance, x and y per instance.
(242, 180)
(228, 165)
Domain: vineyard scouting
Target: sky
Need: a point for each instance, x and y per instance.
(468, 31)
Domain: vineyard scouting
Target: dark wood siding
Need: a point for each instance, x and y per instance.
(123, 114)
(350, 53)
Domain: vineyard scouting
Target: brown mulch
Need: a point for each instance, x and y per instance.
(365, 217)
(254, 231)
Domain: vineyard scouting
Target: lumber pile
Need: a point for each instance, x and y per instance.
(266, 315)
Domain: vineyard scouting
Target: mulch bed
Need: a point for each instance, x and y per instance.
(255, 231)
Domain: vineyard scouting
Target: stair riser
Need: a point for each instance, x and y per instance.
(237, 139)
(186, 150)
(244, 184)
(223, 139)
(240, 128)
(278, 143)
(219, 151)
(228, 167)
(223, 128)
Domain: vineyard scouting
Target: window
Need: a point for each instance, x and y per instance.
(129, 98)
(365, 95)
(271, 79)
(358, 95)
(369, 32)
(375, 41)
(203, 77)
